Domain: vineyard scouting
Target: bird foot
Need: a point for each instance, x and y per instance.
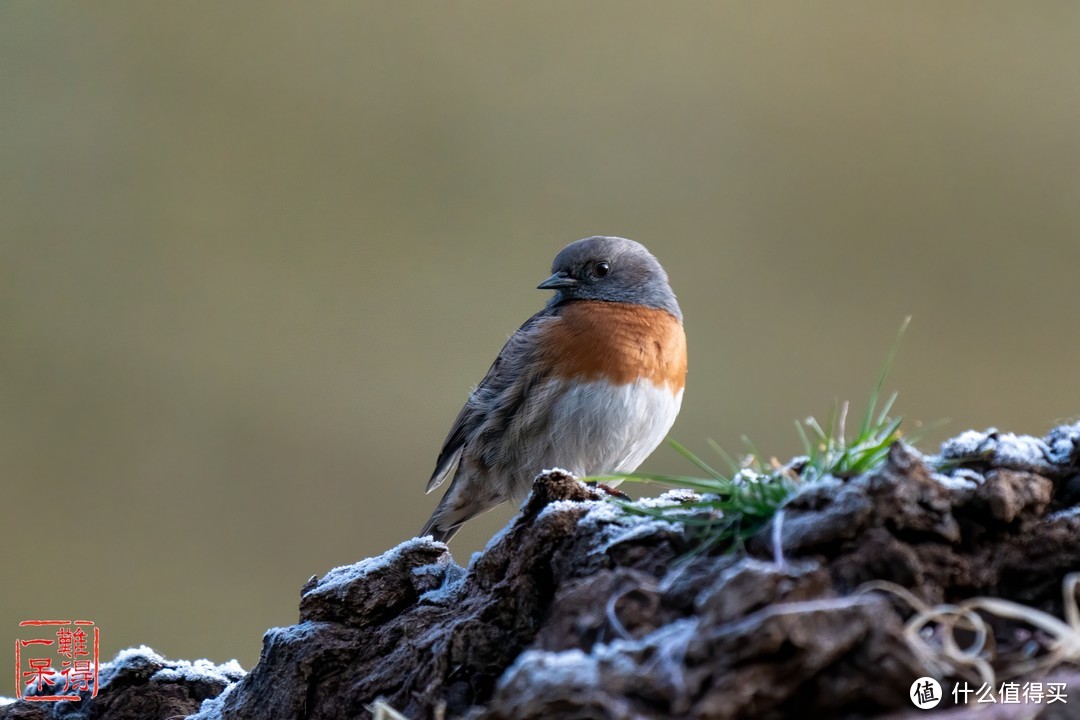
(607, 489)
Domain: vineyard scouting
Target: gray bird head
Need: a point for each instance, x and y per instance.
(611, 269)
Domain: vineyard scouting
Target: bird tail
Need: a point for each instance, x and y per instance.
(438, 534)
(457, 507)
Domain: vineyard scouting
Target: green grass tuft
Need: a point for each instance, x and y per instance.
(732, 507)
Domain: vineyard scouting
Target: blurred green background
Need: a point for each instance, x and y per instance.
(254, 255)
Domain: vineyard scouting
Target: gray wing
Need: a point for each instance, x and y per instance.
(500, 394)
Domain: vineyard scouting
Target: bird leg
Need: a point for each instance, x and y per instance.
(609, 490)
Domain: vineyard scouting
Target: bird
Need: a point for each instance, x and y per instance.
(592, 383)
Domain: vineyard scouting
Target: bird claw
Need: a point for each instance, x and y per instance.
(607, 489)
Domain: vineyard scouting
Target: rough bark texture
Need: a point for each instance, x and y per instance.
(579, 610)
(139, 683)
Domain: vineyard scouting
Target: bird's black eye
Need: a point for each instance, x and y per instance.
(601, 269)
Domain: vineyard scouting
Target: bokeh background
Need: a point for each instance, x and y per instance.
(254, 255)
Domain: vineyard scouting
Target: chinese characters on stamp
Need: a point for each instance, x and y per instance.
(60, 663)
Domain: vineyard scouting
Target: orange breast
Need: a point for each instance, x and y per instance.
(618, 342)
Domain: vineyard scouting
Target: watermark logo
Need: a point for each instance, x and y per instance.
(925, 693)
(59, 663)
(1012, 693)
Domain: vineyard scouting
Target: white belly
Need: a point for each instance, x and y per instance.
(599, 428)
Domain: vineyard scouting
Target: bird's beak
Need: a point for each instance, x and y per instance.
(557, 281)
